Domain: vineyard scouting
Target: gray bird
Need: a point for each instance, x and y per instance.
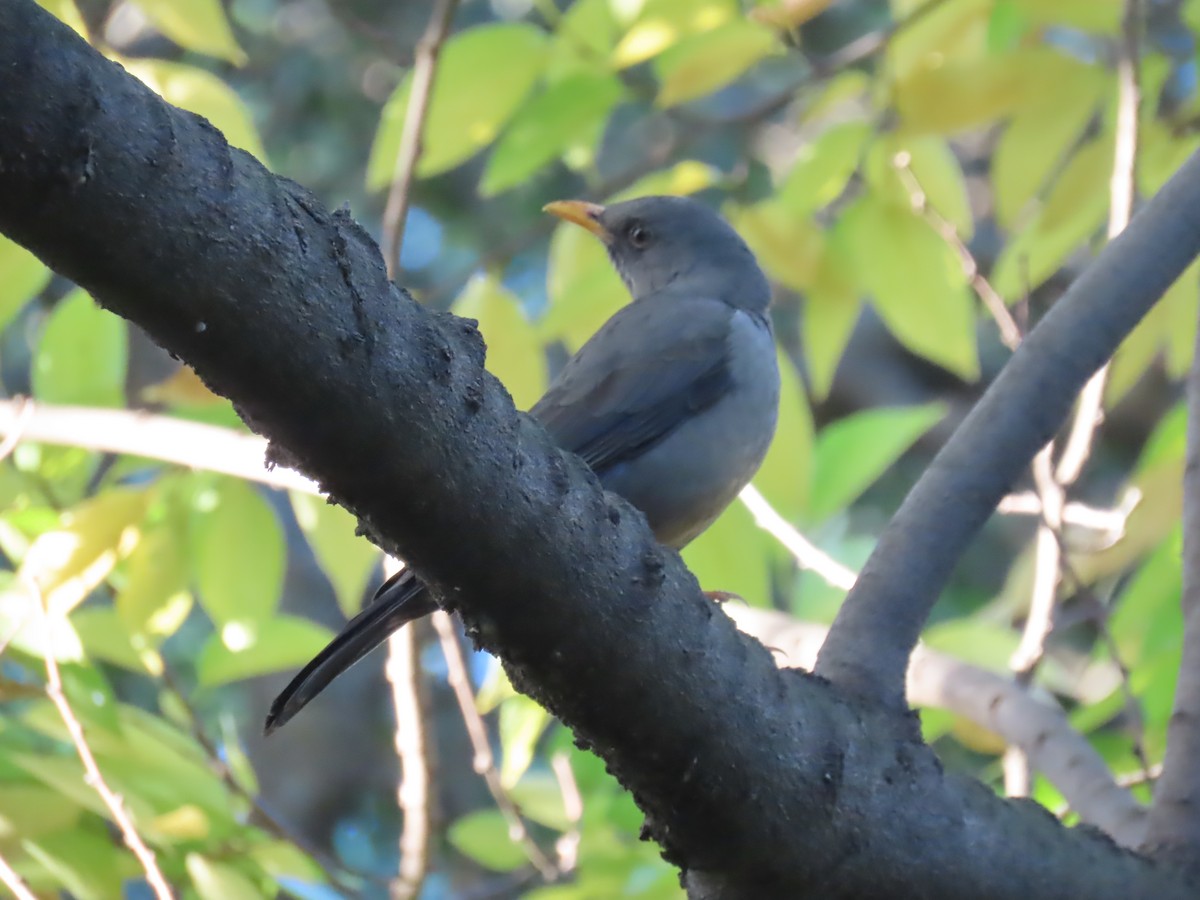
(672, 402)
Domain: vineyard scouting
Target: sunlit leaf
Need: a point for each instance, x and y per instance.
(663, 23)
(81, 356)
(1039, 136)
(899, 167)
(67, 12)
(788, 245)
(570, 110)
(33, 630)
(853, 452)
(105, 638)
(706, 62)
(823, 167)
(21, 276)
(66, 564)
(199, 25)
(1102, 16)
(590, 26)
(915, 279)
(204, 94)
(789, 14)
(346, 559)
(831, 309)
(1169, 330)
(937, 34)
(238, 555)
(540, 798)
(522, 723)
(29, 810)
(244, 650)
(985, 643)
(83, 862)
(514, 352)
(483, 75)
(219, 880)
(154, 599)
(483, 836)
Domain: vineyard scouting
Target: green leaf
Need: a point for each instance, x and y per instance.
(709, 61)
(823, 168)
(522, 723)
(514, 351)
(247, 649)
(83, 861)
(346, 559)
(1102, 16)
(1169, 326)
(540, 798)
(785, 477)
(831, 309)
(1038, 137)
(1074, 210)
(483, 836)
(199, 25)
(204, 94)
(105, 638)
(916, 281)
(68, 562)
(733, 555)
(154, 600)
(788, 246)
(660, 24)
(483, 75)
(22, 275)
(220, 881)
(986, 644)
(238, 555)
(569, 111)
(853, 452)
(588, 25)
(81, 356)
(29, 810)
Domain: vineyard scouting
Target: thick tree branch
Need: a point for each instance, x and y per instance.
(755, 782)
(1017, 415)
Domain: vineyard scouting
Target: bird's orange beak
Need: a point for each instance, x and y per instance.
(584, 214)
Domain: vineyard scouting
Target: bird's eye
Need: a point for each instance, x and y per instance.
(639, 236)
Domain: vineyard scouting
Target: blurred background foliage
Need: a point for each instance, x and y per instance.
(878, 156)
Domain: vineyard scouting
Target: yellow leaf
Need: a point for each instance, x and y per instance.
(788, 246)
(786, 473)
(182, 388)
(789, 14)
(67, 563)
(952, 31)
(706, 62)
(1102, 16)
(663, 23)
(199, 25)
(831, 309)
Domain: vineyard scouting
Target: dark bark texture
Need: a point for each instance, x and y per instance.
(756, 782)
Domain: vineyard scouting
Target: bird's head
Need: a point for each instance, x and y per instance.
(659, 241)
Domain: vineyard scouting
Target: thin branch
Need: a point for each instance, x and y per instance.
(11, 880)
(1016, 417)
(423, 74)
(403, 672)
(1036, 726)
(209, 448)
(568, 845)
(807, 555)
(92, 776)
(483, 761)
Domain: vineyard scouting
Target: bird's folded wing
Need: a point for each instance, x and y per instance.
(638, 378)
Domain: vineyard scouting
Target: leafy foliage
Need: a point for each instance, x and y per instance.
(159, 590)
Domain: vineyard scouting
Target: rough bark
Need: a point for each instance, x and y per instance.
(756, 782)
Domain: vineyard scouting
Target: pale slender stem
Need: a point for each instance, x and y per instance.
(806, 554)
(423, 74)
(483, 760)
(411, 739)
(11, 880)
(568, 845)
(92, 776)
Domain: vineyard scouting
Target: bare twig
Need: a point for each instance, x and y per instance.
(1010, 332)
(11, 880)
(423, 73)
(483, 761)
(92, 776)
(195, 445)
(403, 672)
(568, 845)
(807, 555)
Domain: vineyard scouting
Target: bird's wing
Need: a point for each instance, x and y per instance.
(640, 376)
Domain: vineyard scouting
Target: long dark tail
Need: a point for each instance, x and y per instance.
(400, 600)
